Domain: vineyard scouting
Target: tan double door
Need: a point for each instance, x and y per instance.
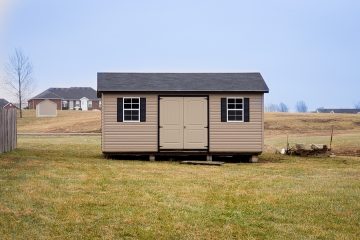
(183, 123)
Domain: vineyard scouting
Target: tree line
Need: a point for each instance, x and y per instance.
(300, 106)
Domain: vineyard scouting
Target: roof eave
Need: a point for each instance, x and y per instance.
(99, 92)
(42, 98)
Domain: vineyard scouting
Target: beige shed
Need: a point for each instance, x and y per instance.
(46, 108)
(182, 113)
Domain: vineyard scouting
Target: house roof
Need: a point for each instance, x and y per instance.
(135, 82)
(67, 93)
(338, 110)
(3, 102)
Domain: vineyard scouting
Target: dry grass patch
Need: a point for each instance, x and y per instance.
(310, 123)
(65, 122)
(62, 188)
(313, 128)
(303, 128)
(343, 143)
(275, 123)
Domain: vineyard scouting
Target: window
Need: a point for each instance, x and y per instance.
(235, 109)
(64, 104)
(131, 109)
(77, 103)
(89, 104)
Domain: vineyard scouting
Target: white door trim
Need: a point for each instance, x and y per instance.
(84, 103)
(206, 141)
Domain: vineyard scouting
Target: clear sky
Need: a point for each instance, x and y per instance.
(305, 49)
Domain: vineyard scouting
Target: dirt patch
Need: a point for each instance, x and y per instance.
(353, 153)
(357, 123)
(318, 120)
(270, 126)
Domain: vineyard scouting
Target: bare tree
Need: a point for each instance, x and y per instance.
(272, 108)
(19, 77)
(283, 107)
(301, 107)
(357, 105)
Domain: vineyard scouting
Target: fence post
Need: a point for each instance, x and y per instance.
(8, 130)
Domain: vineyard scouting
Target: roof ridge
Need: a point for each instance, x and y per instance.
(68, 93)
(54, 93)
(250, 72)
(65, 87)
(79, 87)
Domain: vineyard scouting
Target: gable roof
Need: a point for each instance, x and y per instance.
(3, 102)
(67, 93)
(135, 82)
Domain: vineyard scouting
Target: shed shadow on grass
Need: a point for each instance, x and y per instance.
(179, 158)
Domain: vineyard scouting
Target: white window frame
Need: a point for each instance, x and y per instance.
(90, 104)
(64, 103)
(131, 109)
(227, 109)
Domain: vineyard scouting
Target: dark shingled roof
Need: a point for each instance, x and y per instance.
(71, 93)
(133, 82)
(3, 102)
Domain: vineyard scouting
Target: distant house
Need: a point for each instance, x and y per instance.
(4, 104)
(338, 110)
(73, 98)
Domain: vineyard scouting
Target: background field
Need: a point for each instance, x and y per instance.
(62, 187)
(65, 122)
(301, 128)
(313, 128)
(311, 123)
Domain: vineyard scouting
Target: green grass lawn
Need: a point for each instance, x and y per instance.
(61, 187)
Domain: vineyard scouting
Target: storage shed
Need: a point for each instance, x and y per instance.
(182, 113)
(46, 108)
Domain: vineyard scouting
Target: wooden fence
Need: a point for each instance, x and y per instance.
(8, 138)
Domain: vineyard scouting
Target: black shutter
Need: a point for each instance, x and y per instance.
(223, 110)
(142, 109)
(120, 109)
(246, 110)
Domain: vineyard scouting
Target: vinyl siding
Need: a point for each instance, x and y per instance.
(127, 136)
(242, 137)
(237, 136)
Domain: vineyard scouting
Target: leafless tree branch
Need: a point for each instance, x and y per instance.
(19, 76)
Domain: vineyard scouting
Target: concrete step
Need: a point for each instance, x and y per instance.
(211, 163)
